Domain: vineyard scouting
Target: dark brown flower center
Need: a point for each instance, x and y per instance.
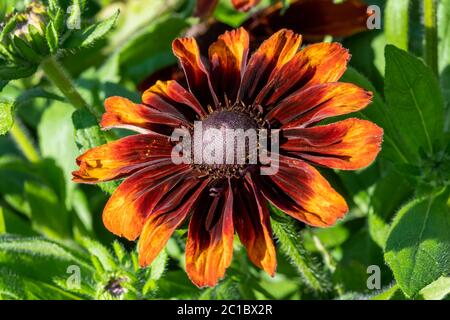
(228, 143)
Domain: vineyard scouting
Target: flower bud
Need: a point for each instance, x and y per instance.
(23, 34)
(35, 17)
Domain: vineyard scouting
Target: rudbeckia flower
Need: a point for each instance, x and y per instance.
(278, 87)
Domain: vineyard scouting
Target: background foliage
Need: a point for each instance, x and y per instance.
(51, 229)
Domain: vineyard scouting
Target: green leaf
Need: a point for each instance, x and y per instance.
(100, 252)
(58, 21)
(53, 5)
(329, 237)
(386, 294)
(5, 53)
(3, 83)
(444, 46)
(52, 37)
(16, 224)
(85, 37)
(158, 266)
(396, 17)
(40, 259)
(13, 174)
(6, 116)
(416, 107)
(226, 13)
(367, 49)
(291, 244)
(17, 287)
(151, 49)
(25, 50)
(56, 141)
(80, 203)
(12, 72)
(2, 222)
(358, 253)
(391, 191)
(437, 290)
(225, 290)
(418, 247)
(176, 284)
(48, 214)
(378, 113)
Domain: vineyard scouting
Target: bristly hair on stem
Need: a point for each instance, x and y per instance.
(291, 243)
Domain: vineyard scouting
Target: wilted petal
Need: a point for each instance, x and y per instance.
(349, 145)
(319, 102)
(252, 223)
(228, 58)
(120, 158)
(302, 192)
(209, 248)
(268, 59)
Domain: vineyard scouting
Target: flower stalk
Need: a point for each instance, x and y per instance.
(23, 142)
(431, 34)
(61, 79)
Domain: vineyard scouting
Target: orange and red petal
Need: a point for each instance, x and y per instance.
(120, 158)
(350, 144)
(228, 59)
(328, 59)
(244, 5)
(315, 64)
(123, 113)
(197, 75)
(209, 248)
(302, 192)
(171, 98)
(162, 223)
(313, 104)
(252, 223)
(268, 59)
(136, 198)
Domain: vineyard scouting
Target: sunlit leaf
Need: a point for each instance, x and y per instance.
(415, 104)
(418, 245)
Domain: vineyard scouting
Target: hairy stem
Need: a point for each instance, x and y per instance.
(61, 79)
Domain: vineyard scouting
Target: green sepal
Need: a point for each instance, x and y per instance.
(25, 51)
(38, 42)
(58, 21)
(52, 37)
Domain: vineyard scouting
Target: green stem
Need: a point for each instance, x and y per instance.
(22, 139)
(291, 244)
(431, 34)
(61, 79)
